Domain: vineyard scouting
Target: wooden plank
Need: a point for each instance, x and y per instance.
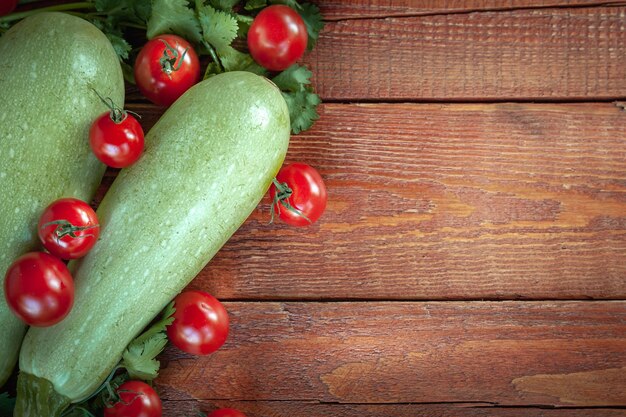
(359, 9)
(505, 353)
(312, 409)
(432, 201)
(546, 54)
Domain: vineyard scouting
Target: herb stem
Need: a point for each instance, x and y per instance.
(58, 8)
(133, 25)
(213, 54)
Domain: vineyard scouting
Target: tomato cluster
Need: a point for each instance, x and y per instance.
(38, 287)
(200, 327)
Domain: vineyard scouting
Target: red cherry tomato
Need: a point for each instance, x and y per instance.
(117, 143)
(137, 399)
(68, 228)
(305, 191)
(277, 37)
(226, 412)
(7, 6)
(200, 323)
(161, 72)
(39, 289)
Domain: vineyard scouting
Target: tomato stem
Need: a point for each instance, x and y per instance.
(121, 401)
(169, 58)
(118, 115)
(65, 228)
(283, 192)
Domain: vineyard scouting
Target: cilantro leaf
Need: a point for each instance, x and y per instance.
(225, 5)
(293, 78)
(115, 36)
(234, 60)
(219, 29)
(160, 326)
(291, 3)
(122, 48)
(173, 16)
(244, 23)
(139, 358)
(7, 404)
(313, 20)
(255, 4)
(302, 109)
(301, 100)
(135, 11)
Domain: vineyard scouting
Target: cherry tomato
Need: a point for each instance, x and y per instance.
(68, 228)
(7, 6)
(277, 37)
(200, 323)
(226, 412)
(165, 68)
(302, 188)
(137, 399)
(39, 289)
(118, 140)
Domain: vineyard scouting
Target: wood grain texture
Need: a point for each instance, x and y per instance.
(399, 352)
(359, 9)
(544, 54)
(315, 409)
(494, 201)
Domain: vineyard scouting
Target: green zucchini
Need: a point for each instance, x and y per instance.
(51, 62)
(208, 162)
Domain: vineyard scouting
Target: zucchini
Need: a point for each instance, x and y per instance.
(51, 64)
(207, 163)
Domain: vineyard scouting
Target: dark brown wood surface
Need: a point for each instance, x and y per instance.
(530, 54)
(359, 9)
(491, 197)
(430, 201)
(483, 354)
(315, 409)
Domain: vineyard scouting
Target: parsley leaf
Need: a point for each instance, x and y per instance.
(219, 29)
(301, 100)
(234, 60)
(139, 358)
(292, 78)
(135, 11)
(115, 36)
(173, 16)
(225, 5)
(255, 4)
(244, 23)
(302, 109)
(291, 3)
(313, 20)
(7, 404)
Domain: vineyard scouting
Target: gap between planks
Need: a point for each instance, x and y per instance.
(504, 9)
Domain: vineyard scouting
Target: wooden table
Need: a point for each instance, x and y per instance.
(471, 261)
